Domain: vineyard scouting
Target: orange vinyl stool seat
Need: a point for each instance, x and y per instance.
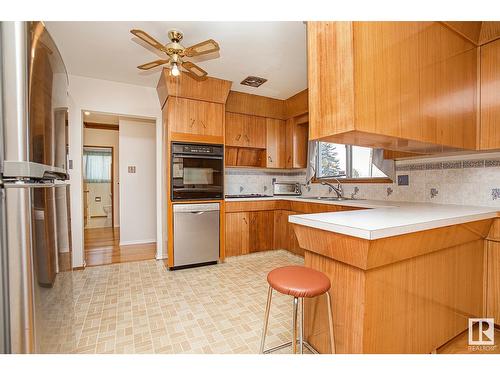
(299, 282)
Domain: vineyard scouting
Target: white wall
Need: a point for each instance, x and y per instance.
(116, 98)
(137, 190)
(108, 138)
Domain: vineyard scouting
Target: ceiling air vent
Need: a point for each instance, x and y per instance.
(253, 81)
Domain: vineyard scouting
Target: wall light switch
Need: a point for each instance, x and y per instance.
(131, 169)
(403, 180)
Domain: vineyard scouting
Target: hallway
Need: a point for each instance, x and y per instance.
(102, 246)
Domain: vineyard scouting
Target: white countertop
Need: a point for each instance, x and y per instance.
(385, 219)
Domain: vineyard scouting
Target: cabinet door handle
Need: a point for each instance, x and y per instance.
(248, 139)
(203, 124)
(238, 137)
(289, 158)
(192, 122)
(245, 220)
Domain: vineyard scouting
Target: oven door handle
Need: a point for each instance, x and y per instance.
(201, 156)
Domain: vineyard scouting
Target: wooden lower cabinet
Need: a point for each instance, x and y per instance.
(284, 235)
(248, 232)
(261, 230)
(493, 281)
(263, 225)
(237, 233)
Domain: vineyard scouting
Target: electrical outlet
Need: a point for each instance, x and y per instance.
(403, 180)
(131, 169)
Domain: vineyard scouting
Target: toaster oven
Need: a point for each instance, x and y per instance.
(286, 188)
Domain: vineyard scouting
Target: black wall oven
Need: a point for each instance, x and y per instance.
(197, 171)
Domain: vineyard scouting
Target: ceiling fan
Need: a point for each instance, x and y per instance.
(176, 54)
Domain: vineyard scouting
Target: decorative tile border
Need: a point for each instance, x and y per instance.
(458, 164)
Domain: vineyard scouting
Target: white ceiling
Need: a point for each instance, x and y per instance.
(272, 50)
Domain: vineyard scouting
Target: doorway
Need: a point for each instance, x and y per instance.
(98, 187)
(110, 190)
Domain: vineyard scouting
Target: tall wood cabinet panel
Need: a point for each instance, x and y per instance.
(297, 135)
(195, 117)
(490, 96)
(275, 143)
(237, 233)
(493, 280)
(408, 86)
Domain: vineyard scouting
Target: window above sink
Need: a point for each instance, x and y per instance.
(347, 162)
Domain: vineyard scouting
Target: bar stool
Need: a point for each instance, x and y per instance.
(299, 282)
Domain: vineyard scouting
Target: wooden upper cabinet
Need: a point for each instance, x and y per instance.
(245, 130)
(490, 96)
(276, 143)
(296, 142)
(408, 86)
(195, 117)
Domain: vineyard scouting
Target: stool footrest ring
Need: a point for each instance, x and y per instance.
(282, 346)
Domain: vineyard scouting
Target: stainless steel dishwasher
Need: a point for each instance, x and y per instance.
(196, 234)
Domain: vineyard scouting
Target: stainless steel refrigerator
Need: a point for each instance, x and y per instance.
(36, 283)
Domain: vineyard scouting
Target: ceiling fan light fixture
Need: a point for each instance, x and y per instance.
(174, 70)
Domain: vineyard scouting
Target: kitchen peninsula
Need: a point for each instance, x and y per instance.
(405, 279)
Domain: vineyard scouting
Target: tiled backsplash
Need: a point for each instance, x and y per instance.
(469, 180)
(259, 181)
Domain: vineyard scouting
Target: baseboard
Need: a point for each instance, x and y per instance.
(138, 242)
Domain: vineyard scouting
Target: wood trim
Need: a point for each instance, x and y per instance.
(297, 104)
(470, 30)
(375, 180)
(255, 105)
(95, 125)
(370, 254)
(196, 138)
(112, 181)
(211, 90)
(79, 268)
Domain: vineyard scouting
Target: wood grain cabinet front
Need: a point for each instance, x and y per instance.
(195, 117)
(261, 230)
(490, 96)
(407, 86)
(284, 235)
(237, 233)
(245, 130)
(276, 143)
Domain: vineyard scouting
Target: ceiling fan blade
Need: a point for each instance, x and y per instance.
(152, 64)
(208, 46)
(194, 71)
(144, 36)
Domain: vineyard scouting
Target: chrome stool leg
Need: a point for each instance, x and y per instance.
(266, 319)
(294, 325)
(301, 325)
(330, 322)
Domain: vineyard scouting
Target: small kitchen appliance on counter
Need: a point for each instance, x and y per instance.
(287, 188)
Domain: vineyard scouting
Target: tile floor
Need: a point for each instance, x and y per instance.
(140, 307)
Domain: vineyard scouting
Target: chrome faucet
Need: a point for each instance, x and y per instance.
(337, 189)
